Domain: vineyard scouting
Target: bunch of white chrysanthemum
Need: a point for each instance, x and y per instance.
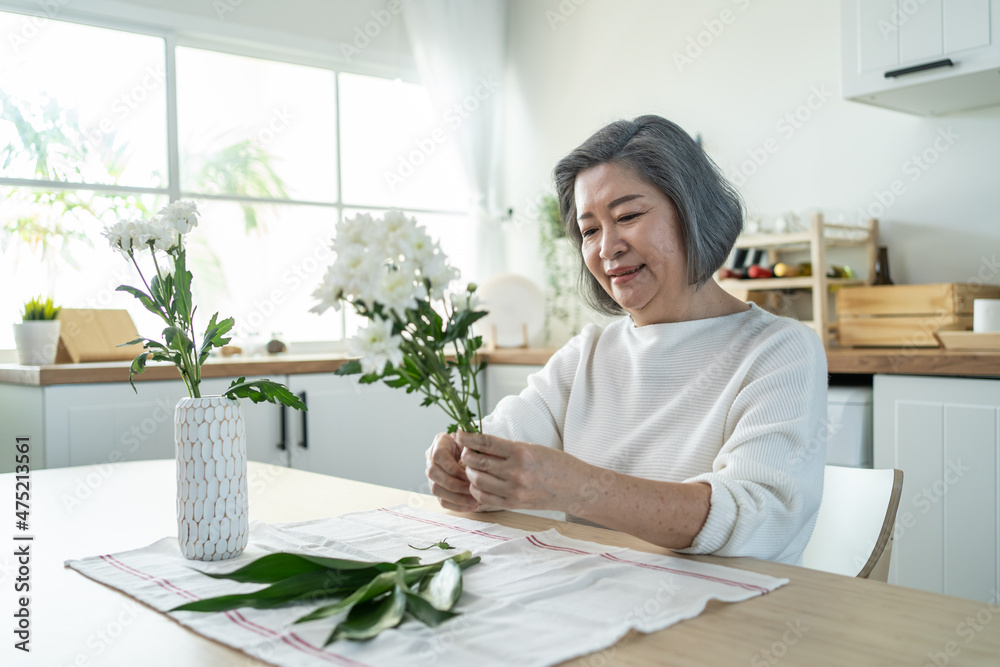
(390, 261)
(390, 271)
(162, 232)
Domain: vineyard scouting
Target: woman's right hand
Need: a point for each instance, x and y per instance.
(447, 476)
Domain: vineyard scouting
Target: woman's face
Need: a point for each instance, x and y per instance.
(632, 243)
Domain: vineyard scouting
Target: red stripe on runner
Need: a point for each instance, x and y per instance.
(696, 575)
(237, 618)
(738, 584)
(444, 525)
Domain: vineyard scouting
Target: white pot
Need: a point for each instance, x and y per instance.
(37, 342)
(211, 452)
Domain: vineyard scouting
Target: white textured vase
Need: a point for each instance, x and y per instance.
(211, 451)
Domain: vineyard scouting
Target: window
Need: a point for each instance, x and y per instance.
(274, 153)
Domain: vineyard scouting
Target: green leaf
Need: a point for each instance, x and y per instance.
(278, 593)
(143, 298)
(425, 612)
(138, 367)
(269, 569)
(182, 287)
(352, 367)
(367, 619)
(131, 342)
(215, 336)
(444, 587)
(264, 390)
(377, 586)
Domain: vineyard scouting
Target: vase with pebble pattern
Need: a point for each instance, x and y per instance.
(212, 508)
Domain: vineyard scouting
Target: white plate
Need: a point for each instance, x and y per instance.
(513, 302)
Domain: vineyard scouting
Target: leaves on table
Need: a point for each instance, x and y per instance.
(375, 595)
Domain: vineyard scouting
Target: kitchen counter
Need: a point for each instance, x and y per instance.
(225, 367)
(863, 361)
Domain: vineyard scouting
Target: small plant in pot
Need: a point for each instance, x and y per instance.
(37, 337)
(209, 431)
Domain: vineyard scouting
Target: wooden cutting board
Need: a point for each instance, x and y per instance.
(93, 334)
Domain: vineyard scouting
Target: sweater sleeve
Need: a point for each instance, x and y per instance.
(538, 414)
(767, 480)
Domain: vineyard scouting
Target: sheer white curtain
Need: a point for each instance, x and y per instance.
(459, 48)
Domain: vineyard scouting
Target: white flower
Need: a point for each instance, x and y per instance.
(376, 346)
(181, 215)
(465, 300)
(398, 291)
(440, 275)
(329, 292)
(118, 237)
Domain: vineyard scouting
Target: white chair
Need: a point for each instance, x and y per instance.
(853, 534)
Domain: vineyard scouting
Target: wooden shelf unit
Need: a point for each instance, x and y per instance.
(821, 235)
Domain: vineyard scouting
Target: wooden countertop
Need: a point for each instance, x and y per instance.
(863, 361)
(227, 367)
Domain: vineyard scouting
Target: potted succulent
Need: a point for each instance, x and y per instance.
(37, 337)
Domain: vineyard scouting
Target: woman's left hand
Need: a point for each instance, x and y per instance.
(506, 474)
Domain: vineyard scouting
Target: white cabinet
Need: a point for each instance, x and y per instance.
(506, 380)
(370, 433)
(87, 424)
(943, 434)
(925, 57)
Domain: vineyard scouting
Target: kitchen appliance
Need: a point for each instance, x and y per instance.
(849, 432)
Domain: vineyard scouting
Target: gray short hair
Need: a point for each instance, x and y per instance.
(709, 208)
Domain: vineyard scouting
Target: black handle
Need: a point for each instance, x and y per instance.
(919, 68)
(304, 443)
(282, 445)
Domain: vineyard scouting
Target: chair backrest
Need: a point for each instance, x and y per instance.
(853, 533)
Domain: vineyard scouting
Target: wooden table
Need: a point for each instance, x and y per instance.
(817, 619)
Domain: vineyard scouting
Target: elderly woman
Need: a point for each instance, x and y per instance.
(697, 421)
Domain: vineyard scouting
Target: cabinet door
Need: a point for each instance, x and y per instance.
(920, 31)
(943, 434)
(877, 38)
(369, 433)
(506, 380)
(108, 422)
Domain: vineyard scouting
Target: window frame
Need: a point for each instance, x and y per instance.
(249, 46)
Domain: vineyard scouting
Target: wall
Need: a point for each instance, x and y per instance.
(577, 64)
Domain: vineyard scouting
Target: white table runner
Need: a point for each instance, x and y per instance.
(535, 599)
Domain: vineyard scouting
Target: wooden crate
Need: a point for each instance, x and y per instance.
(905, 315)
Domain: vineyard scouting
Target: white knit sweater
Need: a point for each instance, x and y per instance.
(737, 401)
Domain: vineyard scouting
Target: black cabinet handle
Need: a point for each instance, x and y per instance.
(282, 444)
(304, 443)
(947, 62)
